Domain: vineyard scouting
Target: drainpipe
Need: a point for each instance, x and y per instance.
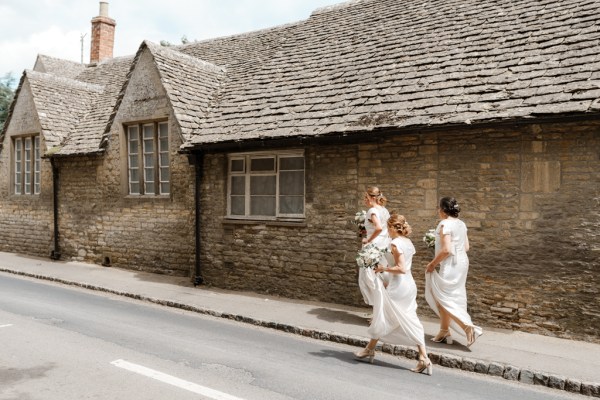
(55, 254)
(198, 163)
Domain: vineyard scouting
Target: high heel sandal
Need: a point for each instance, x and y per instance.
(443, 336)
(424, 365)
(364, 354)
(471, 335)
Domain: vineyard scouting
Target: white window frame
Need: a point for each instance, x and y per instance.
(247, 157)
(160, 165)
(27, 165)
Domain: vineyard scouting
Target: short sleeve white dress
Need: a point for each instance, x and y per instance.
(448, 286)
(395, 307)
(382, 240)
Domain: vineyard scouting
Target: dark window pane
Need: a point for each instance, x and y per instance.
(291, 163)
(164, 159)
(262, 205)
(149, 160)
(135, 188)
(291, 204)
(150, 188)
(291, 182)
(262, 185)
(262, 164)
(237, 165)
(238, 205)
(163, 144)
(148, 131)
(164, 174)
(148, 146)
(133, 133)
(238, 185)
(163, 130)
(133, 146)
(149, 174)
(164, 188)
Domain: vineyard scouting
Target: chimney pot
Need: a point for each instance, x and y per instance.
(104, 9)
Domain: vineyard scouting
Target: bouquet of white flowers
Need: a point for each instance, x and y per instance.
(429, 238)
(370, 255)
(359, 221)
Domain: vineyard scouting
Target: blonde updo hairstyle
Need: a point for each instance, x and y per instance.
(398, 223)
(375, 193)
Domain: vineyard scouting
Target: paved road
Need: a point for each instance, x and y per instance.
(60, 342)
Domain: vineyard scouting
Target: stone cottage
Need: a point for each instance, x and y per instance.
(240, 161)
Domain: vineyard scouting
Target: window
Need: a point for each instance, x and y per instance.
(27, 165)
(148, 159)
(266, 185)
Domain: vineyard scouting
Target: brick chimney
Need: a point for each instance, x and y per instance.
(103, 35)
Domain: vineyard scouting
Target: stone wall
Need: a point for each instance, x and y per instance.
(98, 221)
(150, 234)
(101, 223)
(530, 196)
(25, 220)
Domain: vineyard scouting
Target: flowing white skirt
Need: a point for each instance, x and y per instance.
(448, 289)
(363, 284)
(394, 307)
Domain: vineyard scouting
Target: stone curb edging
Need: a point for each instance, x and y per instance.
(491, 368)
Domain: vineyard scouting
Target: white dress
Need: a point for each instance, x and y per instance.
(382, 240)
(448, 286)
(395, 307)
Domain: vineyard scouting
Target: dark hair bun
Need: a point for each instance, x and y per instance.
(449, 206)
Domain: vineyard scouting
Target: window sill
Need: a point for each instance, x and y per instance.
(24, 196)
(147, 197)
(300, 223)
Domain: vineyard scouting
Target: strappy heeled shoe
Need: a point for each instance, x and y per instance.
(424, 365)
(471, 335)
(365, 354)
(443, 336)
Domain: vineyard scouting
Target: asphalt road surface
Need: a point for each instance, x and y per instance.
(61, 342)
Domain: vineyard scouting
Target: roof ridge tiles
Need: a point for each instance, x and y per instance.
(153, 47)
(242, 35)
(335, 7)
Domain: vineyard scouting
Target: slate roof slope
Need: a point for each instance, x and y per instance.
(242, 54)
(60, 103)
(74, 102)
(353, 68)
(190, 84)
(89, 131)
(372, 64)
(57, 66)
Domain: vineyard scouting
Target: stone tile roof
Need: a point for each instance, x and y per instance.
(361, 66)
(74, 102)
(57, 66)
(371, 64)
(60, 103)
(190, 84)
(90, 131)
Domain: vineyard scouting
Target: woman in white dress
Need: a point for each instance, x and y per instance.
(395, 306)
(377, 233)
(445, 291)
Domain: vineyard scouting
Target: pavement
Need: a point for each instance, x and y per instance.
(557, 363)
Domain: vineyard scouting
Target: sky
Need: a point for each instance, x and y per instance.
(55, 27)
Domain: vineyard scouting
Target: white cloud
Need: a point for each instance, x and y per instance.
(52, 41)
(54, 27)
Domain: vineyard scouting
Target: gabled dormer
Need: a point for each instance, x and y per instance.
(166, 97)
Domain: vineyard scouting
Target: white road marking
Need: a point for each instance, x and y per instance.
(6, 326)
(171, 380)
